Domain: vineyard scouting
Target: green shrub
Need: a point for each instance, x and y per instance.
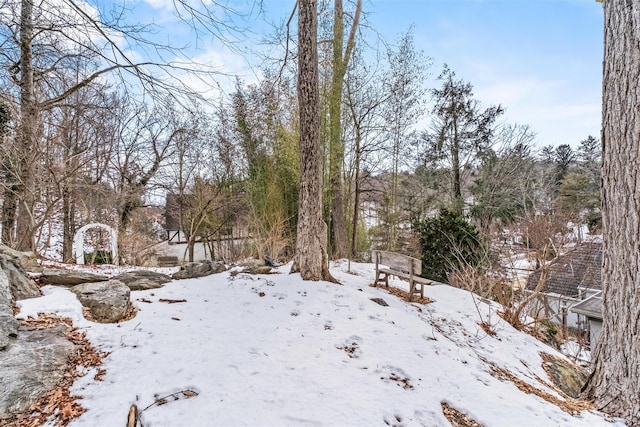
(448, 243)
(98, 257)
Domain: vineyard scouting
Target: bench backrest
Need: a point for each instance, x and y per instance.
(399, 262)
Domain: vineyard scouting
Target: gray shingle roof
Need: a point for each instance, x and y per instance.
(579, 268)
(591, 307)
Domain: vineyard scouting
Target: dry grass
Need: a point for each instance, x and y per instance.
(570, 406)
(457, 418)
(58, 405)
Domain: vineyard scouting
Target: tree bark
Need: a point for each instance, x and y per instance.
(615, 382)
(26, 133)
(336, 156)
(311, 247)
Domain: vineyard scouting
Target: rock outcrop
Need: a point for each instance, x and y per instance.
(27, 260)
(199, 269)
(20, 285)
(107, 301)
(14, 285)
(142, 280)
(568, 377)
(33, 364)
(69, 278)
(8, 323)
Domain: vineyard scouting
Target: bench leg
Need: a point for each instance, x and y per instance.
(412, 288)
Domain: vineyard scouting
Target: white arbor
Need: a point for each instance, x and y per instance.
(78, 242)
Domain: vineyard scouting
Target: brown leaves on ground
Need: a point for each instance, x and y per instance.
(457, 418)
(487, 328)
(569, 405)
(130, 314)
(58, 405)
(403, 294)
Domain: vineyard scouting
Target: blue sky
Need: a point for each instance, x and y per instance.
(540, 59)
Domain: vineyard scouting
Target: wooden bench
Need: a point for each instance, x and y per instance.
(403, 267)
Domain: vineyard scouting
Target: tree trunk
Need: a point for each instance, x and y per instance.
(27, 133)
(311, 247)
(615, 382)
(356, 195)
(68, 223)
(336, 156)
(336, 146)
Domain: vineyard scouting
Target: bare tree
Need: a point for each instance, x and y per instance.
(39, 38)
(311, 258)
(615, 382)
(341, 57)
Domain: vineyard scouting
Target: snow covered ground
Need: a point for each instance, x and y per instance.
(274, 350)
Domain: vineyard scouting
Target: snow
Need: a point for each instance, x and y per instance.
(273, 350)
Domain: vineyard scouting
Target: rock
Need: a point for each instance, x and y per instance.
(8, 323)
(141, 280)
(108, 301)
(380, 301)
(568, 377)
(69, 278)
(20, 285)
(257, 269)
(33, 364)
(27, 259)
(201, 269)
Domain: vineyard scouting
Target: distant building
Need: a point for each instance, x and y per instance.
(591, 309)
(229, 242)
(570, 279)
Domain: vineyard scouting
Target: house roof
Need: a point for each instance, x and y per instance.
(173, 205)
(571, 272)
(590, 307)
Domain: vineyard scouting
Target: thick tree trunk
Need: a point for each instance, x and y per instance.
(615, 382)
(27, 133)
(311, 247)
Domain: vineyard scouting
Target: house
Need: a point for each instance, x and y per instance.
(591, 308)
(570, 279)
(230, 241)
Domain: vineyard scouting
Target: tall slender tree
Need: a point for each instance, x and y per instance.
(311, 258)
(341, 57)
(615, 382)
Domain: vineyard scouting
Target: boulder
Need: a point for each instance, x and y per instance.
(567, 376)
(20, 285)
(27, 259)
(8, 323)
(199, 269)
(69, 278)
(107, 301)
(141, 280)
(33, 364)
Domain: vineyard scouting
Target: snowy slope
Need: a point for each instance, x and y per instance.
(277, 351)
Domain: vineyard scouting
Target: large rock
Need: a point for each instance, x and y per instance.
(567, 376)
(107, 301)
(199, 269)
(141, 280)
(69, 278)
(20, 285)
(27, 260)
(33, 364)
(8, 323)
